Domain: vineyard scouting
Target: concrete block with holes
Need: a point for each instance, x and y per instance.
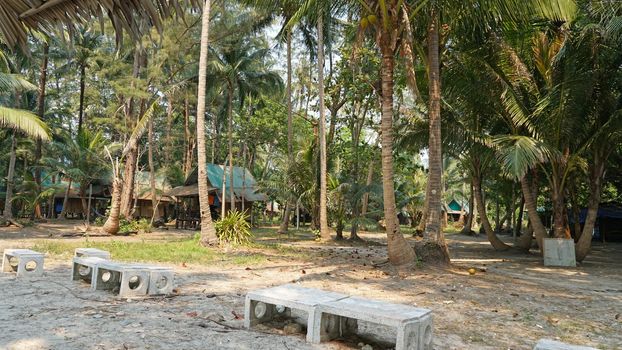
(83, 268)
(92, 252)
(125, 280)
(265, 304)
(24, 262)
(548, 344)
(161, 279)
(337, 318)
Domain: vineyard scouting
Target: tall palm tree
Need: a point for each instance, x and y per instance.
(243, 64)
(21, 121)
(285, 9)
(208, 232)
(324, 232)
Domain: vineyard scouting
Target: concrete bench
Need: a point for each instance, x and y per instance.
(92, 252)
(24, 262)
(339, 317)
(83, 268)
(130, 280)
(548, 344)
(265, 304)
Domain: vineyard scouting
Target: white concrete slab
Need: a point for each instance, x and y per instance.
(548, 344)
(559, 252)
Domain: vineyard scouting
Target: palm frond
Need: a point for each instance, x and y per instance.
(25, 122)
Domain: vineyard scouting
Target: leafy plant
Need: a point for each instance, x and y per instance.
(233, 228)
(141, 225)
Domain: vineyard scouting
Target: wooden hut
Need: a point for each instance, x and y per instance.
(245, 190)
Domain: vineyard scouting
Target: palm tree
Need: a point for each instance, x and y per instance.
(20, 16)
(208, 232)
(324, 232)
(242, 64)
(19, 120)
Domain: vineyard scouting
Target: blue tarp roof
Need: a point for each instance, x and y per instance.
(604, 212)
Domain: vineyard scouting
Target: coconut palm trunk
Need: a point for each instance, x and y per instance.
(290, 131)
(597, 169)
(324, 233)
(152, 183)
(399, 251)
(8, 199)
(112, 223)
(532, 211)
(63, 212)
(496, 243)
(208, 233)
(230, 142)
(433, 220)
(468, 222)
(41, 113)
(82, 90)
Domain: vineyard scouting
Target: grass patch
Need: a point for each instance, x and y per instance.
(170, 251)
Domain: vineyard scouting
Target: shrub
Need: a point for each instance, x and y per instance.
(233, 228)
(141, 225)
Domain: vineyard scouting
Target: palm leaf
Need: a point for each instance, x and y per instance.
(24, 121)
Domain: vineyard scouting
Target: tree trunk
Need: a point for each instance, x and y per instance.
(519, 220)
(41, 112)
(560, 224)
(399, 251)
(189, 141)
(290, 131)
(82, 88)
(63, 212)
(112, 223)
(433, 230)
(129, 175)
(583, 246)
(208, 233)
(426, 208)
(370, 178)
(468, 222)
(496, 243)
(169, 127)
(324, 233)
(8, 199)
(131, 157)
(230, 141)
(152, 183)
(532, 212)
(576, 211)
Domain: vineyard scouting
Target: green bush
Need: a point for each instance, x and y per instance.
(233, 228)
(141, 225)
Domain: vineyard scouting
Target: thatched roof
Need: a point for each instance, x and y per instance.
(19, 16)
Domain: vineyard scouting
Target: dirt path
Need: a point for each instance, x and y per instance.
(511, 305)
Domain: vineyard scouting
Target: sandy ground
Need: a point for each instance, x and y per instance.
(510, 303)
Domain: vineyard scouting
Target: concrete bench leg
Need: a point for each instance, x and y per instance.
(133, 283)
(6, 264)
(25, 268)
(326, 327)
(415, 335)
(256, 312)
(81, 272)
(161, 282)
(105, 279)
